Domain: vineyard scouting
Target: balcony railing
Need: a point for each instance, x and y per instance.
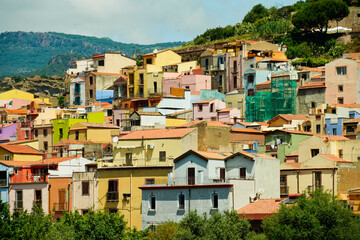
(112, 196)
(60, 207)
(284, 190)
(312, 188)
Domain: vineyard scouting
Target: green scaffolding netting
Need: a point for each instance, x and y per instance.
(281, 99)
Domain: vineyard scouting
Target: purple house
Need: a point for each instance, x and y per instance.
(207, 109)
(7, 131)
(229, 115)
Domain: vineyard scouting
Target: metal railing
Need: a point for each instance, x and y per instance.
(112, 196)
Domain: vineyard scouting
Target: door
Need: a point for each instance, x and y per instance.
(191, 176)
(61, 203)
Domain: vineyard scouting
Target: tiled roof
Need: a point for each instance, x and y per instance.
(295, 132)
(332, 137)
(152, 53)
(347, 105)
(206, 101)
(334, 158)
(316, 84)
(190, 123)
(214, 155)
(245, 123)
(260, 208)
(52, 160)
(157, 134)
(292, 164)
(262, 123)
(356, 120)
(246, 130)
(16, 163)
(290, 117)
(20, 149)
(16, 111)
(149, 113)
(216, 124)
(226, 109)
(264, 83)
(318, 76)
(97, 125)
(353, 56)
(295, 153)
(68, 142)
(307, 69)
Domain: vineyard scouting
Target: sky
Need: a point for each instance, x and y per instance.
(128, 21)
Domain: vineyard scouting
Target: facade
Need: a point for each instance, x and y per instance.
(157, 147)
(15, 152)
(208, 109)
(229, 115)
(310, 96)
(210, 182)
(255, 76)
(146, 120)
(77, 91)
(236, 99)
(5, 172)
(119, 189)
(94, 132)
(342, 81)
(85, 191)
(193, 82)
(8, 131)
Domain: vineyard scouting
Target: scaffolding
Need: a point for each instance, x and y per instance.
(281, 99)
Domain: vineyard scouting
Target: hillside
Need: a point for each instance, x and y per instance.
(50, 53)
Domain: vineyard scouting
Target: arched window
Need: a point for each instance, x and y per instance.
(215, 200)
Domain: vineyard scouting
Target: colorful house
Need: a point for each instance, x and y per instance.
(208, 109)
(156, 147)
(95, 132)
(15, 152)
(8, 131)
(5, 172)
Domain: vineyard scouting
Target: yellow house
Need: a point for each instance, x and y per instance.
(119, 189)
(236, 99)
(15, 152)
(137, 83)
(95, 132)
(15, 93)
(321, 171)
(155, 147)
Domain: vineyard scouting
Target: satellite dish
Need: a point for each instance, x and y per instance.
(115, 139)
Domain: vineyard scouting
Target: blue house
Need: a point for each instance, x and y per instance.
(334, 121)
(5, 172)
(255, 76)
(210, 182)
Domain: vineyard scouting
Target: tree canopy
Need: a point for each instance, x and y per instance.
(257, 12)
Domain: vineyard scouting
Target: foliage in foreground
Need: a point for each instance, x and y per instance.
(320, 216)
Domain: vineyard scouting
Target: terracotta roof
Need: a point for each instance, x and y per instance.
(195, 93)
(245, 123)
(109, 74)
(68, 142)
(264, 83)
(157, 134)
(16, 163)
(152, 53)
(20, 149)
(16, 111)
(334, 158)
(356, 120)
(216, 124)
(52, 160)
(97, 125)
(214, 155)
(318, 76)
(290, 117)
(261, 208)
(206, 101)
(149, 113)
(347, 105)
(276, 60)
(292, 164)
(246, 130)
(308, 69)
(316, 84)
(353, 56)
(190, 123)
(262, 123)
(295, 132)
(295, 153)
(226, 109)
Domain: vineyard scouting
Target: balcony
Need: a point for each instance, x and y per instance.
(60, 207)
(284, 190)
(112, 196)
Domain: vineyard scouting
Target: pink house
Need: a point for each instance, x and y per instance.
(207, 109)
(229, 115)
(342, 81)
(194, 82)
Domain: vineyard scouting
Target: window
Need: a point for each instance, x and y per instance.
(149, 61)
(76, 135)
(112, 194)
(27, 134)
(318, 117)
(229, 104)
(84, 211)
(113, 210)
(213, 118)
(211, 107)
(7, 157)
(283, 185)
(45, 145)
(235, 82)
(45, 133)
(334, 131)
(141, 76)
(187, 87)
(222, 174)
(317, 179)
(91, 80)
(215, 200)
(318, 128)
(60, 133)
(340, 88)
(85, 188)
(251, 92)
(200, 107)
(102, 63)
(162, 156)
(341, 155)
(250, 78)
(117, 122)
(191, 176)
(181, 201)
(3, 178)
(239, 105)
(314, 152)
(313, 104)
(341, 70)
(220, 80)
(91, 93)
(152, 202)
(128, 158)
(340, 100)
(149, 181)
(38, 197)
(206, 64)
(19, 199)
(352, 115)
(242, 173)
(155, 87)
(36, 133)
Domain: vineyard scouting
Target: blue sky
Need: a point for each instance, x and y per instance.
(129, 21)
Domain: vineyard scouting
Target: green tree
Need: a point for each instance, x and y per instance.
(257, 12)
(320, 216)
(61, 101)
